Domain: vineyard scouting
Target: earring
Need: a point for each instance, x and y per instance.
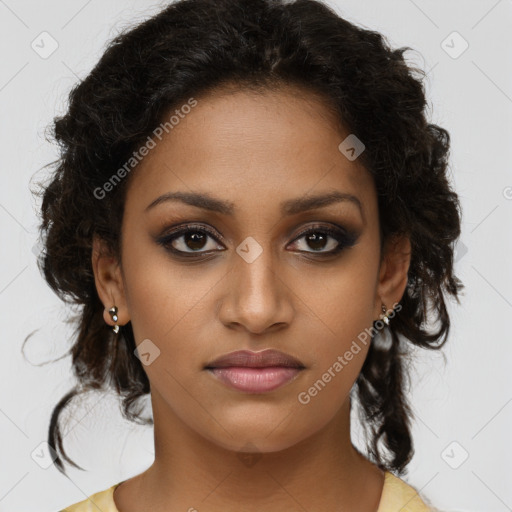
(113, 314)
(384, 316)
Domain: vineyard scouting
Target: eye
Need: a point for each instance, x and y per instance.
(190, 240)
(325, 240)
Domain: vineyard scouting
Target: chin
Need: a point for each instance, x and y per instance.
(269, 436)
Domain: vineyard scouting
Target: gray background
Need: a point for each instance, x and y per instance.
(462, 408)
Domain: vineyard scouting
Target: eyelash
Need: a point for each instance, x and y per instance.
(344, 238)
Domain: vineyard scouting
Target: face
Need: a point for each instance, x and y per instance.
(252, 266)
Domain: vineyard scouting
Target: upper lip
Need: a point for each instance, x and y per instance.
(262, 359)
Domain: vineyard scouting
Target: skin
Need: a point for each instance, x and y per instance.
(255, 151)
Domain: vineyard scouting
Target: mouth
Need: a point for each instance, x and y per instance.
(255, 372)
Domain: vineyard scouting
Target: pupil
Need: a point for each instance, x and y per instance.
(315, 238)
(195, 240)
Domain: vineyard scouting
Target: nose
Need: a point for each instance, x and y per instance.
(255, 297)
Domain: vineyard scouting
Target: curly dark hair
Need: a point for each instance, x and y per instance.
(195, 46)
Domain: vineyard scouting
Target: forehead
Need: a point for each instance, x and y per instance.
(251, 148)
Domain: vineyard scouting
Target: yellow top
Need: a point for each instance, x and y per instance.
(397, 496)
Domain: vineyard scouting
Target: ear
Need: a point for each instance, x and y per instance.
(393, 277)
(109, 282)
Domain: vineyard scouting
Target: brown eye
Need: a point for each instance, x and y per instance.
(190, 240)
(319, 241)
(324, 240)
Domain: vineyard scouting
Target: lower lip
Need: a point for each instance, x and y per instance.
(255, 380)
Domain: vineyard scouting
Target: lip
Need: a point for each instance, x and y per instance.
(255, 372)
(261, 359)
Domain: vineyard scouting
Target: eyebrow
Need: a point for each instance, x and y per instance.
(289, 207)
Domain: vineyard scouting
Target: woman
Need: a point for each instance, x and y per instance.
(255, 216)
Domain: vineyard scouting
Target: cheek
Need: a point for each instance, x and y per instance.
(339, 357)
(161, 295)
(339, 333)
(340, 302)
(170, 305)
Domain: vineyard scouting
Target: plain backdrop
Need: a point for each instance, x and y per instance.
(463, 409)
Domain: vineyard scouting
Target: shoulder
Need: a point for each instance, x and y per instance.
(103, 500)
(398, 495)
